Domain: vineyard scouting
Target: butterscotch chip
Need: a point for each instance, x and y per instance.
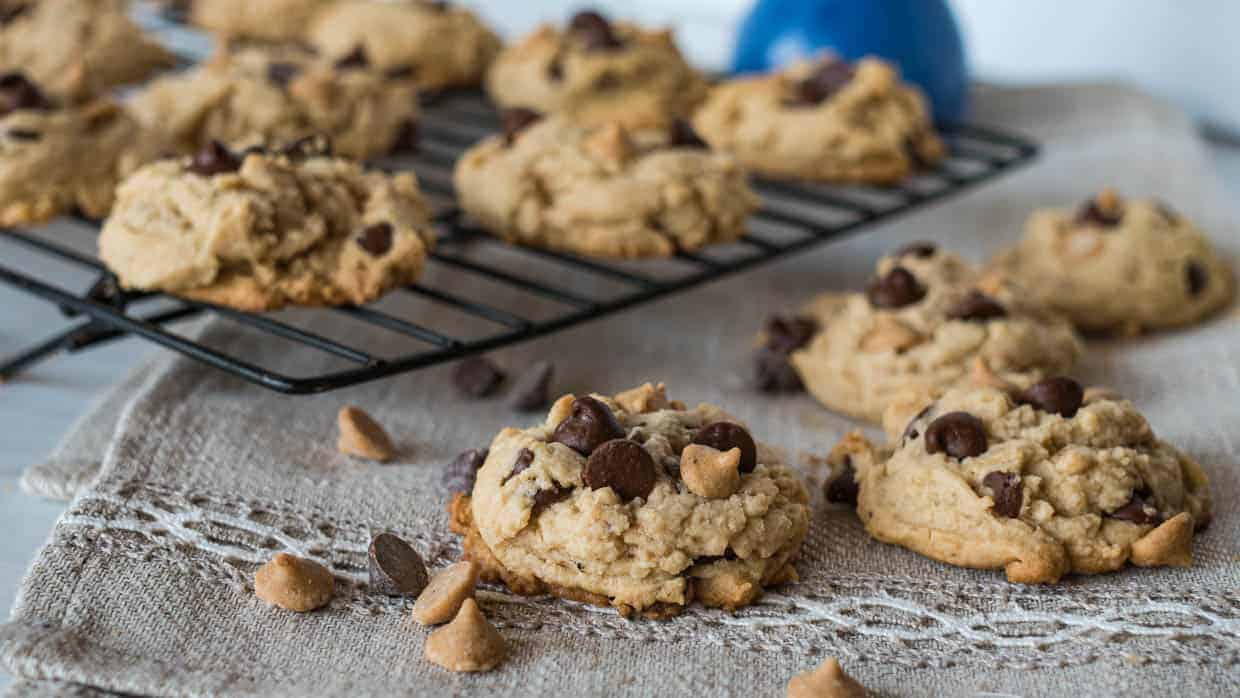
(468, 643)
(709, 472)
(361, 435)
(827, 681)
(294, 583)
(443, 597)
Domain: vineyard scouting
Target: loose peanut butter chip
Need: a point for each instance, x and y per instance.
(649, 397)
(709, 472)
(293, 583)
(361, 435)
(443, 597)
(468, 643)
(827, 681)
(889, 334)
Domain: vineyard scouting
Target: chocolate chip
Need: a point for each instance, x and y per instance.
(525, 458)
(355, 59)
(976, 307)
(376, 239)
(396, 569)
(12, 13)
(725, 436)
(477, 377)
(401, 72)
(16, 93)
(824, 82)
(1138, 510)
(282, 73)
(910, 431)
(530, 392)
(773, 373)
(958, 434)
(919, 249)
(594, 31)
(1006, 491)
(784, 334)
(1193, 274)
(21, 134)
(895, 289)
(545, 498)
(315, 145)
(460, 474)
(787, 333)
(1091, 213)
(683, 136)
(843, 488)
(517, 120)
(407, 138)
(214, 158)
(588, 425)
(555, 71)
(1059, 395)
(622, 465)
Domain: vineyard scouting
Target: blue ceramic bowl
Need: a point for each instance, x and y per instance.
(920, 36)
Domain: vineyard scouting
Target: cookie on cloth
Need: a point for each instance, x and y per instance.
(928, 321)
(591, 505)
(262, 229)
(604, 191)
(597, 72)
(824, 120)
(1120, 265)
(1040, 483)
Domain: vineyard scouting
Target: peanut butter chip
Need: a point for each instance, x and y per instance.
(360, 435)
(649, 397)
(709, 472)
(468, 643)
(293, 583)
(889, 334)
(447, 590)
(827, 681)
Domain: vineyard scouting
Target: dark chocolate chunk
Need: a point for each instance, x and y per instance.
(725, 436)
(589, 424)
(477, 377)
(21, 134)
(517, 120)
(843, 488)
(1194, 275)
(1006, 491)
(396, 569)
(895, 289)
(214, 158)
(976, 307)
(545, 498)
(787, 333)
(825, 81)
(354, 60)
(525, 458)
(282, 73)
(1059, 395)
(622, 465)
(460, 474)
(958, 434)
(683, 136)
(376, 239)
(531, 391)
(1138, 510)
(594, 31)
(773, 373)
(17, 93)
(920, 249)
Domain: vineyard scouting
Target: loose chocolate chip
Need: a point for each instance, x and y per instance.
(16, 93)
(407, 138)
(843, 488)
(920, 249)
(588, 425)
(21, 134)
(460, 474)
(825, 81)
(958, 434)
(594, 31)
(725, 436)
(316, 145)
(1091, 213)
(622, 465)
(773, 373)
(1006, 491)
(530, 392)
(1059, 395)
(555, 71)
(355, 59)
(214, 158)
(477, 377)
(1138, 510)
(545, 498)
(976, 307)
(13, 13)
(282, 73)
(1193, 274)
(517, 120)
(376, 239)
(787, 333)
(401, 72)
(895, 289)
(525, 458)
(683, 136)
(396, 569)
(910, 431)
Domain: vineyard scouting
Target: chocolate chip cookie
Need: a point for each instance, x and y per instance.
(261, 95)
(591, 505)
(604, 191)
(57, 157)
(76, 49)
(436, 44)
(823, 120)
(927, 321)
(261, 229)
(1120, 265)
(1040, 483)
(269, 20)
(595, 72)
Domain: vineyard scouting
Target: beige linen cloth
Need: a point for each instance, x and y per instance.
(145, 586)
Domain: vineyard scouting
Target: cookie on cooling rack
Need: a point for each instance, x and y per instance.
(76, 49)
(268, 20)
(604, 191)
(1041, 483)
(260, 95)
(262, 229)
(436, 44)
(825, 120)
(926, 322)
(1120, 265)
(635, 502)
(595, 72)
(56, 158)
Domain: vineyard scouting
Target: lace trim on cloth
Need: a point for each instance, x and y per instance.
(901, 620)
